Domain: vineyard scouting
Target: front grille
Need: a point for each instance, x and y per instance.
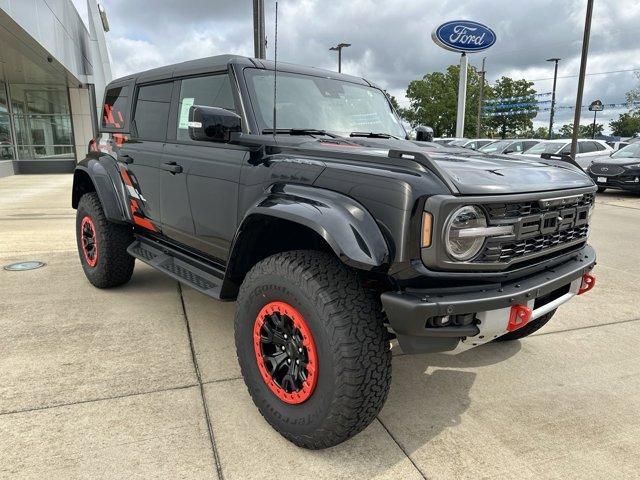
(536, 228)
(606, 170)
(506, 252)
(498, 211)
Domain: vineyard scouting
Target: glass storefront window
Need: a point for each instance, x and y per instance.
(39, 99)
(41, 121)
(4, 108)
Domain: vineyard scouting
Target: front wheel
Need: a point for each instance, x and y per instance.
(312, 348)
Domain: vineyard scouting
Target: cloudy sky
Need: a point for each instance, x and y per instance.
(391, 42)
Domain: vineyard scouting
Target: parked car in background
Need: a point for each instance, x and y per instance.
(618, 145)
(509, 146)
(448, 140)
(472, 144)
(586, 149)
(621, 170)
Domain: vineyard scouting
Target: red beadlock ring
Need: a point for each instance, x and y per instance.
(89, 241)
(308, 347)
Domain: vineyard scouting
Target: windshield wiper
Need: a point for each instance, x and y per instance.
(372, 135)
(299, 131)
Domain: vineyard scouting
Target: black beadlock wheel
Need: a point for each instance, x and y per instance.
(102, 245)
(312, 347)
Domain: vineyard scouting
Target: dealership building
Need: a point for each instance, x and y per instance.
(54, 65)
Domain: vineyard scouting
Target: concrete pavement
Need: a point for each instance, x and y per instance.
(142, 381)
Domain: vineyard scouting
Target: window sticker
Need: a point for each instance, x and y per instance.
(184, 112)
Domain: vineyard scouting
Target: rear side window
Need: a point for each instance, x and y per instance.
(152, 112)
(210, 91)
(115, 107)
(586, 147)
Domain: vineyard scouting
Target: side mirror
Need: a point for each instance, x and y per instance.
(212, 124)
(424, 134)
(510, 150)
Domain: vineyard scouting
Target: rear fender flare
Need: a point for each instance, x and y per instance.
(107, 182)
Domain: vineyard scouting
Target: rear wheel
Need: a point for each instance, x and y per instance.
(528, 329)
(312, 348)
(102, 245)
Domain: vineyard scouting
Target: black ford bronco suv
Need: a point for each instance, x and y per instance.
(332, 232)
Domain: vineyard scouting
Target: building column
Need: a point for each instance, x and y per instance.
(81, 119)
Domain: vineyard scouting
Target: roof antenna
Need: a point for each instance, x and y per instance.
(275, 72)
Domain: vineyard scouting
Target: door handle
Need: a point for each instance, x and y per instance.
(125, 159)
(172, 167)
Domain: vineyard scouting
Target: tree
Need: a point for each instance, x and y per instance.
(540, 132)
(434, 100)
(394, 102)
(584, 131)
(511, 123)
(627, 125)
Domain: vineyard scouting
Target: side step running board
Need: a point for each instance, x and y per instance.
(185, 269)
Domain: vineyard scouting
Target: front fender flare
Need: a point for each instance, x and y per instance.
(347, 227)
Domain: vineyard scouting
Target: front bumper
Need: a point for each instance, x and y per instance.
(621, 182)
(408, 311)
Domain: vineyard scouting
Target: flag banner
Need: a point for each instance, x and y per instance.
(517, 99)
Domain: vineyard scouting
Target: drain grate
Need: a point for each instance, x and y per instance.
(22, 266)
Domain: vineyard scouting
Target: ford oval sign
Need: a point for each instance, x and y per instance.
(464, 36)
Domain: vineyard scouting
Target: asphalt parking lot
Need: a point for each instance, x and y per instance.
(142, 381)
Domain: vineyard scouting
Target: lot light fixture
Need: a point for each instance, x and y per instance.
(338, 48)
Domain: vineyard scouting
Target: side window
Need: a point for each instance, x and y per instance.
(152, 111)
(599, 146)
(566, 150)
(528, 145)
(114, 110)
(516, 147)
(586, 147)
(210, 91)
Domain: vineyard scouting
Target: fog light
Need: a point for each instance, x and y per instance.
(518, 317)
(588, 282)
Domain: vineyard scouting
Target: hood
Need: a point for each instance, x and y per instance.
(606, 159)
(473, 173)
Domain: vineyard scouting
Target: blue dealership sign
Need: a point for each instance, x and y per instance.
(464, 36)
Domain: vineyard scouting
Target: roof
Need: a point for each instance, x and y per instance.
(220, 62)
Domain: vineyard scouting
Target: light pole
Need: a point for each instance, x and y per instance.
(583, 71)
(338, 48)
(259, 41)
(480, 99)
(553, 95)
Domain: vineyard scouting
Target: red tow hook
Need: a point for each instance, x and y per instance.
(588, 282)
(519, 317)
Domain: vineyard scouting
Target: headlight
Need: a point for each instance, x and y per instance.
(461, 240)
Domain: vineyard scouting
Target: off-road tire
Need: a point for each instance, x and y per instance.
(528, 329)
(346, 323)
(114, 266)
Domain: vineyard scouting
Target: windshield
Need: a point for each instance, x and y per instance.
(309, 102)
(545, 147)
(495, 146)
(630, 151)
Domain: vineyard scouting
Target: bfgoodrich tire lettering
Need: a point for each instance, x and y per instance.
(109, 265)
(354, 359)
